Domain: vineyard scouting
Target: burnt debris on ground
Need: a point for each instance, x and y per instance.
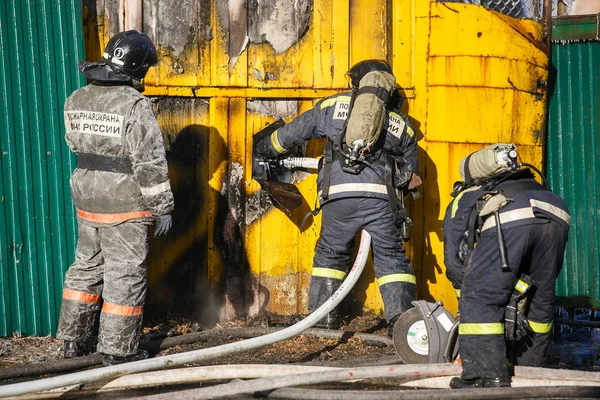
(305, 348)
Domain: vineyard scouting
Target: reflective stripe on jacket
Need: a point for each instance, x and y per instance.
(525, 213)
(326, 120)
(522, 209)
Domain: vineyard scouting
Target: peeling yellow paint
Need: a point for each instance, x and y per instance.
(470, 76)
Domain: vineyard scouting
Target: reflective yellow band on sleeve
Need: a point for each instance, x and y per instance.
(455, 205)
(540, 327)
(328, 273)
(492, 328)
(457, 199)
(331, 102)
(410, 131)
(457, 292)
(327, 103)
(275, 142)
(407, 278)
(521, 286)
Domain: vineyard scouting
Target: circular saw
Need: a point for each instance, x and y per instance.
(425, 334)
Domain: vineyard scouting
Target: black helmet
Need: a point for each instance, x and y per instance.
(131, 52)
(360, 69)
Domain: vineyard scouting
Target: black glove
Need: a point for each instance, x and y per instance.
(515, 322)
(522, 326)
(510, 319)
(163, 225)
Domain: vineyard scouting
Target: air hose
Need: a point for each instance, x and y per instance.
(203, 354)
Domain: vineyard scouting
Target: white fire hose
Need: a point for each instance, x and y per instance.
(190, 357)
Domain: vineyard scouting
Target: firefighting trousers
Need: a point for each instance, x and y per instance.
(536, 250)
(341, 221)
(107, 277)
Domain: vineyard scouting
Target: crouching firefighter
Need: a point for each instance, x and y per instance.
(370, 156)
(504, 243)
(120, 187)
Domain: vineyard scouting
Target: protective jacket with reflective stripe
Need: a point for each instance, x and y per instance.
(522, 209)
(326, 120)
(117, 121)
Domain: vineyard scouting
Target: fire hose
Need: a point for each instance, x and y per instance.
(64, 365)
(203, 354)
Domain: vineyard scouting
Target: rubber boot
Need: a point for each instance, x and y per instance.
(392, 324)
(460, 383)
(331, 321)
(73, 349)
(114, 360)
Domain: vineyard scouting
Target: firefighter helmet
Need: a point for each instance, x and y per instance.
(131, 52)
(360, 69)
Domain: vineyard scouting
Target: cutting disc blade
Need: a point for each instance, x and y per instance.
(411, 338)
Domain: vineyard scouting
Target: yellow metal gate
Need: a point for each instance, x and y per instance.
(228, 68)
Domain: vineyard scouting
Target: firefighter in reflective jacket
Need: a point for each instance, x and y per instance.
(497, 229)
(120, 186)
(351, 202)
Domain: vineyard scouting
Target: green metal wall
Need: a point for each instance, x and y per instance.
(40, 43)
(573, 154)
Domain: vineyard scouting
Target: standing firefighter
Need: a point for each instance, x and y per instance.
(370, 156)
(119, 187)
(504, 243)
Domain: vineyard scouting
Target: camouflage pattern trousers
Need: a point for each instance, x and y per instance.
(107, 280)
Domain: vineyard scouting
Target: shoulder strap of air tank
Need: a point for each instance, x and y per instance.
(331, 147)
(382, 93)
(328, 160)
(467, 169)
(471, 232)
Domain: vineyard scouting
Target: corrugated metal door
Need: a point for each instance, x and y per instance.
(40, 43)
(573, 154)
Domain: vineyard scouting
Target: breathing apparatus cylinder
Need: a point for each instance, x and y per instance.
(488, 161)
(367, 115)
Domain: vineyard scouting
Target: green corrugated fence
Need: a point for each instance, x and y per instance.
(40, 43)
(573, 153)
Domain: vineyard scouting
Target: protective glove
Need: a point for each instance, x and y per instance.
(522, 326)
(510, 319)
(163, 225)
(515, 322)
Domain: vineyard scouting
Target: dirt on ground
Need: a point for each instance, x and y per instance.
(16, 351)
(362, 341)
